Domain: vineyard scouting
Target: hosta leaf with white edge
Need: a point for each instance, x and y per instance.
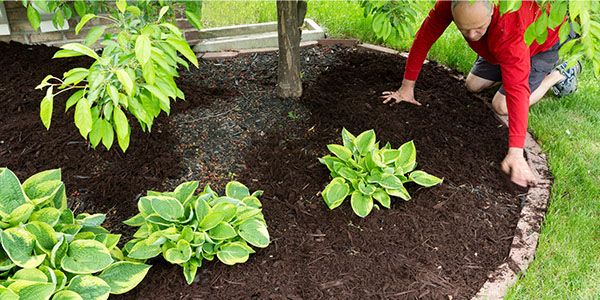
(229, 210)
(31, 290)
(424, 179)
(124, 276)
(180, 254)
(254, 232)
(365, 142)
(222, 231)
(19, 244)
(142, 250)
(340, 151)
(401, 193)
(390, 182)
(361, 204)
(7, 294)
(382, 197)
(236, 190)
(211, 220)
(88, 220)
(44, 234)
(168, 208)
(367, 189)
(89, 287)
(348, 139)
(335, 192)
(11, 193)
(231, 254)
(189, 271)
(185, 191)
(86, 256)
(66, 295)
(408, 156)
(252, 201)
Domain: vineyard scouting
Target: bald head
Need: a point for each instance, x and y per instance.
(472, 19)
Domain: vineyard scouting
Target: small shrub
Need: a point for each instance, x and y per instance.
(187, 229)
(365, 172)
(48, 252)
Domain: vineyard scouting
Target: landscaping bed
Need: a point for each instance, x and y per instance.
(443, 242)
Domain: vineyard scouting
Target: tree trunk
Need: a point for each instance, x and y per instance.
(290, 17)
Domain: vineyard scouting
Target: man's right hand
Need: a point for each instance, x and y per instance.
(406, 93)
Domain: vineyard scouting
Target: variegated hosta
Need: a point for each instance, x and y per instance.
(363, 171)
(47, 252)
(187, 229)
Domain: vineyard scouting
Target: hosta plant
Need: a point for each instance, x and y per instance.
(187, 228)
(47, 252)
(134, 73)
(363, 171)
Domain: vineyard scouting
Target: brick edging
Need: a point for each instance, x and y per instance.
(526, 236)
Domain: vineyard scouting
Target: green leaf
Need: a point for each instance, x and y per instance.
(46, 108)
(365, 142)
(108, 134)
(31, 275)
(424, 179)
(122, 128)
(66, 295)
(48, 215)
(390, 181)
(89, 287)
(252, 201)
(361, 204)
(185, 191)
(236, 190)
(44, 234)
(80, 8)
(163, 11)
(228, 210)
(211, 220)
(93, 35)
(558, 12)
(19, 244)
(86, 256)
(367, 189)
(254, 232)
(7, 294)
(11, 192)
(121, 5)
(184, 48)
(83, 118)
(222, 231)
(400, 192)
(34, 17)
(142, 49)
(189, 271)
(181, 254)
(201, 208)
(340, 151)
(408, 157)
(348, 139)
(141, 250)
(382, 197)
(75, 75)
(167, 208)
(74, 99)
(31, 290)
(126, 80)
(335, 192)
(390, 156)
(88, 220)
(347, 173)
(134, 10)
(563, 33)
(232, 253)
(80, 49)
(148, 72)
(124, 276)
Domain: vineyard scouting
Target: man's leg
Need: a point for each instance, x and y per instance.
(482, 76)
(499, 101)
(476, 84)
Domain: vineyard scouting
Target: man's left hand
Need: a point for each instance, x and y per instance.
(515, 165)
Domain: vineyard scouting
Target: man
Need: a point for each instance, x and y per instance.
(526, 72)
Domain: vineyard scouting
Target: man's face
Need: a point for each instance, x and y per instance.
(472, 20)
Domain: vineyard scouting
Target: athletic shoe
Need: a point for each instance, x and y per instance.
(568, 85)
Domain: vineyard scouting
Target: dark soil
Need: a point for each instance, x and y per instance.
(439, 245)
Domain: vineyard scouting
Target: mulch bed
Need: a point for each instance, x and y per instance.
(439, 245)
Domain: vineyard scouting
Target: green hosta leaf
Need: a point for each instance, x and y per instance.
(109, 240)
(225, 199)
(361, 204)
(390, 156)
(88, 220)
(31, 275)
(401, 193)
(347, 173)
(232, 253)
(424, 179)
(408, 156)
(222, 231)
(340, 151)
(189, 271)
(382, 197)
(185, 191)
(142, 48)
(167, 208)
(211, 220)
(66, 217)
(365, 142)
(7, 294)
(348, 139)
(44, 234)
(19, 244)
(31, 290)
(254, 232)
(236, 190)
(228, 210)
(89, 287)
(367, 189)
(124, 276)
(58, 252)
(252, 201)
(329, 160)
(45, 191)
(137, 220)
(244, 213)
(156, 219)
(20, 214)
(335, 192)
(86, 256)
(11, 193)
(181, 254)
(390, 181)
(66, 295)
(141, 250)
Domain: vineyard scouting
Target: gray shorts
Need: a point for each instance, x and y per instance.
(541, 65)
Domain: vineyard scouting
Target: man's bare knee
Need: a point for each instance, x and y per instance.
(473, 85)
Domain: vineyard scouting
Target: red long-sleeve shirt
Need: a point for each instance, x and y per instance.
(503, 45)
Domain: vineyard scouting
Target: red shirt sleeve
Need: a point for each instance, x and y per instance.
(432, 28)
(513, 55)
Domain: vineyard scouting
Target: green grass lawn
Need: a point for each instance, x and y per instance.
(567, 264)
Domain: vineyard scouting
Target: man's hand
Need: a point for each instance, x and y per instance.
(406, 93)
(514, 164)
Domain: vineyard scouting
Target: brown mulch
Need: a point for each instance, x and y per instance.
(441, 243)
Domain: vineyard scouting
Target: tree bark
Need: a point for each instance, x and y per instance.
(290, 18)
